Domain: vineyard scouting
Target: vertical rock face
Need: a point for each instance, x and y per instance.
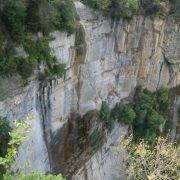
(105, 60)
(107, 163)
(20, 104)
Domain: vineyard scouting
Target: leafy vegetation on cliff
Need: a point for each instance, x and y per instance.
(21, 21)
(33, 176)
(127, 8)
(144, 162)
(148, 114)
(151, 152)
(175, 10)
(11, 136)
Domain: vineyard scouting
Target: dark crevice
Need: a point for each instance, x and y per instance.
(43, 106)
(160, 73)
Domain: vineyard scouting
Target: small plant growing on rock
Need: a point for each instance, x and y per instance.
(128, 115)
(97, 138)
(106, 116)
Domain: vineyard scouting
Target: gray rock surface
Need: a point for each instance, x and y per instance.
(119, 56)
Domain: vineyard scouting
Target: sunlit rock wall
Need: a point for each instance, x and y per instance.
(116, 57)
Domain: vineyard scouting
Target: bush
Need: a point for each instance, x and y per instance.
(20, 21)
(39, 16)
(106, 116)
(162, 97)
(155, 7)
(154, 119)
(127, 8)
(59, 69)
(148, 114)
(5, 137)
(65, 15)
(116, 8)
(24, 67)
(159, 162)
(96, 4)
(97, 138)
(128, 114)
(13, 14)
(33, 176)
(123, 8)
(175, 10)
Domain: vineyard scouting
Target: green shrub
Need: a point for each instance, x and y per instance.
(5, 137)
(13, 14)
(162, 97)
(64, 15)
(127, 8)
(20, 22)
(96, 4)
(24, 67)
(175, 11)
(39, 16)
(128, 114)
(97, 138)
(150, 137)
(106, 116)
(116, 8)
(59, 69)
(155, 119)
(33, 176)
(123, 8)
(147, 114)
(169, 125)
(145, 101)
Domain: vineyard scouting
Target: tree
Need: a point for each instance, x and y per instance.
(13, 16)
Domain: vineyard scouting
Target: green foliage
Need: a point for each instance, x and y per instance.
(65, 15)
(106, 116)
(97, 138)
(169, 125)
(116, 8)
(12, 17)
(147, 114)
(59, 69)
(155, 7)
(96, 4)
(128, 114)
(162, 97)
(123, 8)
(11, 138)
(33, 176)
(127, 8)
(39, 16)
(16, 138)
(175, 9)
(24, 67)
(5, 137)
(20, 22)
(154, 119)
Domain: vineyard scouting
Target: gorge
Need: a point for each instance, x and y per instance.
(105, 60)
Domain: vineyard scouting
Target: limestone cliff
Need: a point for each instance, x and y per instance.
(105, 60)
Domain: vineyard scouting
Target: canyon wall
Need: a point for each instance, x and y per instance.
(105, 61)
